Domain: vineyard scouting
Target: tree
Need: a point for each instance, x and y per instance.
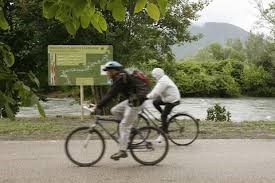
(236, 44)
(209, 78)
(83, 12)
(255, 47)
(231, 53)
(267, 14)
(261, 52)
(136, 39)
(140, 38)
(256, 81)
(13, 91)
(215, 51)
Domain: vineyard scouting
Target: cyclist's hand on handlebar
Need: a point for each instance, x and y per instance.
(90, 107)
(98, 111)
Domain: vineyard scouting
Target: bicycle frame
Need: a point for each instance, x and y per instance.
(99, 121)
(147, 114)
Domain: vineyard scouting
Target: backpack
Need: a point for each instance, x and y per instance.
(138, 74)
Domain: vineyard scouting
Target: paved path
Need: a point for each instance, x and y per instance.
(204, 161)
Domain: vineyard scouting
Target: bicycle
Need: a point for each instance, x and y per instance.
(142, 147)
(183, 128)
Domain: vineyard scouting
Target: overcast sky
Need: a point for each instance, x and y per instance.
(237, 12)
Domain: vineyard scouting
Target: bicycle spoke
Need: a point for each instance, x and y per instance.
(84, 147)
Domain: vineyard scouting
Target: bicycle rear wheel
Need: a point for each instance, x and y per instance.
(183, 129)
(145, 149)
(84, 146)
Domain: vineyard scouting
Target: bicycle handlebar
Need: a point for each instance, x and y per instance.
(90, 107)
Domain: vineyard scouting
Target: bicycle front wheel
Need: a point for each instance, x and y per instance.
(145, 149)
(84, 146)
(183, 129)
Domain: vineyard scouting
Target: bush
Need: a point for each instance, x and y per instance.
(218, 113)
(256, 81)
(206, 79)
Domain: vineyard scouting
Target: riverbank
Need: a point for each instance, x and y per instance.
(241, 109)
(58, 128)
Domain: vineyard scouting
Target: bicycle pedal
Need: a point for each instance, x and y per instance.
(115, 159)
(149, 145)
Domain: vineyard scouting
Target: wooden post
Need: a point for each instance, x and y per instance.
(81, 101)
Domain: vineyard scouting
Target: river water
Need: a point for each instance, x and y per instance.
(240, 108)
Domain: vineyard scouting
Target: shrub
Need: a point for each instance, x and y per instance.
(256, 81)
(218, 113)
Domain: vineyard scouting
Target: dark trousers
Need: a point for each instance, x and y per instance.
(164, 112)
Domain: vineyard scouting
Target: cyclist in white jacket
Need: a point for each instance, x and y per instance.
(164, 93)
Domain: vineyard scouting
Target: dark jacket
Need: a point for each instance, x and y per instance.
(134, 89)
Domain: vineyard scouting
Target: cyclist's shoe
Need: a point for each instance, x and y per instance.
(160, 139)
(118, 155)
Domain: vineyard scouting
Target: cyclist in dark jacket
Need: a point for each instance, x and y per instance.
(127, 111)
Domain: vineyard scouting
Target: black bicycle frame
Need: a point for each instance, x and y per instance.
(99, 122)
(147, 114)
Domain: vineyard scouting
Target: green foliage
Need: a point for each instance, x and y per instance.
(261, 52)
(226, 78)
(162, 6)
(255, 47)
(72, 12)
(3, 22)
(267, 15)
(6, 55)
(13, 92)
(140, 39)
(137, 40)
(167, 66)
(206, 79)
(218, 113)
(256, 81)
(140, 5)
(237, 70)
(251, 70)
(236, 44)
(215, 51)
(118, 9)
(231, 53)
(153, 11)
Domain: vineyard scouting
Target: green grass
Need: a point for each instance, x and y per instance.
(245, 129)
(58, 128)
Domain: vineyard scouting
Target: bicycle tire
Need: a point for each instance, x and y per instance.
(150, 140)
(86, 131)
(186, 123)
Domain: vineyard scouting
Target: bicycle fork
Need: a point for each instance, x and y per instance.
(89, 136)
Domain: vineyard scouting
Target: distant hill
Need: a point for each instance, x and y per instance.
(212, 32)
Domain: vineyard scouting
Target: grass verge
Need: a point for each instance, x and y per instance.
(58, 128)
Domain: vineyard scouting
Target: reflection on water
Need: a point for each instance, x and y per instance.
(240, 108)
